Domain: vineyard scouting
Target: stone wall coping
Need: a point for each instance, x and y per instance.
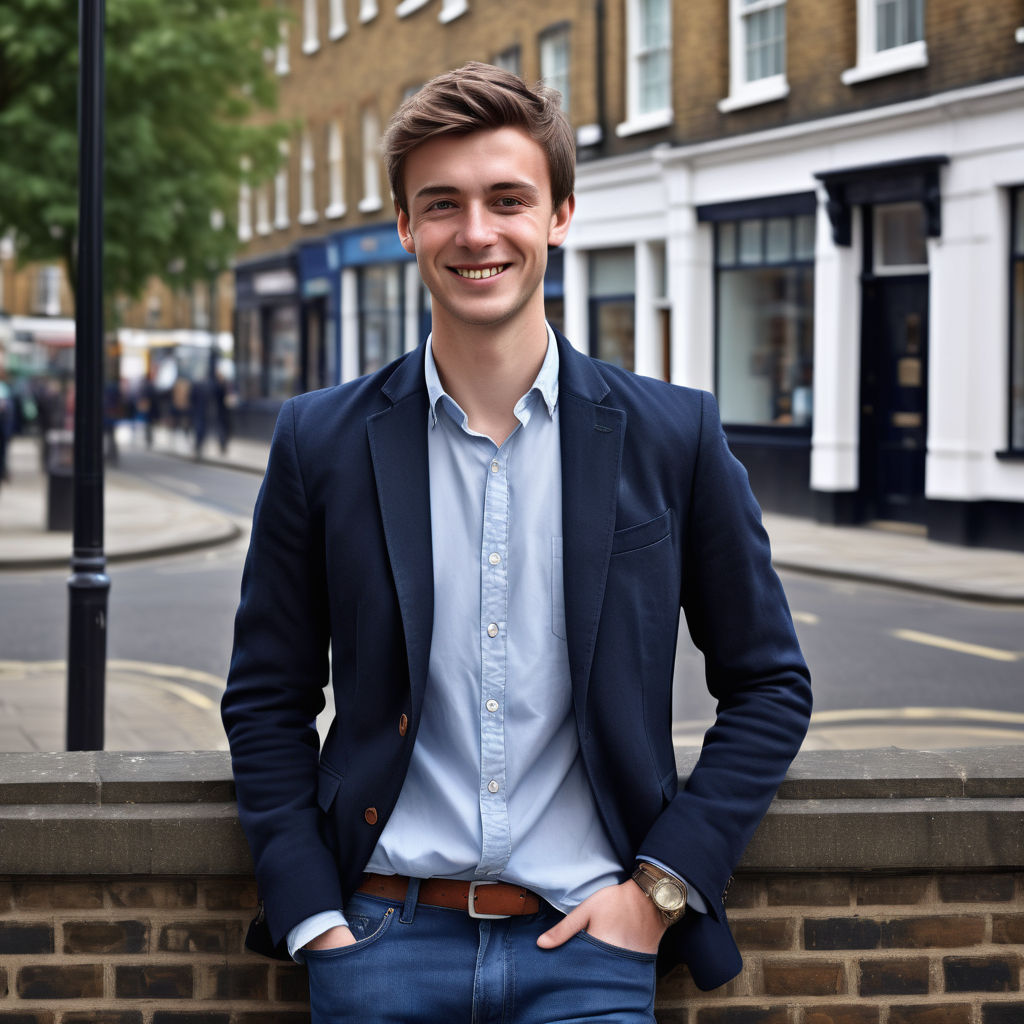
(113, 813)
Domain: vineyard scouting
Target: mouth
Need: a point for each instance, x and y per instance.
(480, 273)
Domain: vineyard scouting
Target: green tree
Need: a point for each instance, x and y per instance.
(189, 96)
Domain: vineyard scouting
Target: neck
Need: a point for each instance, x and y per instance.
(487, 370)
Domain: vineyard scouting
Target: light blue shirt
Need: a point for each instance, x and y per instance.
(496, 787)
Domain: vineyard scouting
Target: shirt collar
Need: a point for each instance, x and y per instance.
(545, 384)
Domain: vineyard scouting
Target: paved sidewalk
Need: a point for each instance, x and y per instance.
(157, 707)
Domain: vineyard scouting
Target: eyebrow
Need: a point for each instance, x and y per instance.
(431, 191)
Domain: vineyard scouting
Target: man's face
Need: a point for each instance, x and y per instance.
(480, 221)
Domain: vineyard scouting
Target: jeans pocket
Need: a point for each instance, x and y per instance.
(619, 951)
(557, 589)
(359, 927)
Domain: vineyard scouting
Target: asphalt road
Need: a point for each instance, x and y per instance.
(875, 653)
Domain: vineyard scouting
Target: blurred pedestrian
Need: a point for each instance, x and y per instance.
(222, 409)
(181, 404)
(199, 401)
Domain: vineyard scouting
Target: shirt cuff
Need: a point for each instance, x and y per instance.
(694, 900)
(306, 931)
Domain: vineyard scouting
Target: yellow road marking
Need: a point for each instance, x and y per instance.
(946, 644)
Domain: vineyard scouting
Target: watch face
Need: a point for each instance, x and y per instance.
(668, 894)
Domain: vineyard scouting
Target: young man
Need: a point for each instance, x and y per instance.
(493, 536)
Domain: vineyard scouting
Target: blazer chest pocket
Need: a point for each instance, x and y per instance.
(643, 535)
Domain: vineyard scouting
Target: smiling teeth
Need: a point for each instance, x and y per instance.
(477, 275)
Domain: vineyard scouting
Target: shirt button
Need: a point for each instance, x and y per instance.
(494, 558)
(370, 815)
(492, 786)
(491, 705)
(495, 466)
(403, 725)
(492, 629)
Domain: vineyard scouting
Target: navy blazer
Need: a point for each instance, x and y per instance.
(338, 583)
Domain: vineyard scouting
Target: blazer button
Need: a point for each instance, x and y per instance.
(370, 815)
(403, 725)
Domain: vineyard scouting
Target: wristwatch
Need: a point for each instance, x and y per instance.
(664, 890)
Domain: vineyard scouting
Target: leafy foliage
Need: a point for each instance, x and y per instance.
(188, 96)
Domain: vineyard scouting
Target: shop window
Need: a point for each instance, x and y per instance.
(764, 345)
(310, 27)
(339, 24)
(371, 201)
(890, 39)
(649, 71)
(283, 367)
(249, 355)
(554, 61)
(307, 181)
(381, 316)
(612, 305)
(1017, 322)
(335, 171)
(510, 60)
(757, 53)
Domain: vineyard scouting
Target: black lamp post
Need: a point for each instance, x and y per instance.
(89, 585)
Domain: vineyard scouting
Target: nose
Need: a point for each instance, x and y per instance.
(476, 231)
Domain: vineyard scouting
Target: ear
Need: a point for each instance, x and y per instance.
(405, 231)
(560, 221)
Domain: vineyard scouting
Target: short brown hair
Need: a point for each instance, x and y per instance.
(478, 97)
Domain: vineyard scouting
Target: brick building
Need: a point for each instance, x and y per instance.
(814, 210)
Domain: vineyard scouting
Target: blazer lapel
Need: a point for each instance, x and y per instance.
(398, 448)
(592, 437)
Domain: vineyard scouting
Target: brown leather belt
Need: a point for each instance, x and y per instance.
(478, 899)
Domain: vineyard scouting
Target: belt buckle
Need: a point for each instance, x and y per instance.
(472, 904)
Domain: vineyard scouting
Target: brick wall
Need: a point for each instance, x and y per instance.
(818, 949)
(882, 888)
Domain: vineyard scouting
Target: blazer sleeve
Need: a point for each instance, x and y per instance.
(279, 667)
(738, 617)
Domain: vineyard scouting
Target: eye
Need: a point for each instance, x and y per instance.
(442, 204)
(509, 202)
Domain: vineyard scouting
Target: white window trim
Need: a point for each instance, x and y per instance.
(311, 27)
(282, 65)
(741, 92)
(880, 269)
(367, 11)
(636, 122)
(872, 63)
(559, 32)
(452, 9)
(887, 62)
(307, 182)
(645, 122)
(335, 172)
(339, 25)
(407, 7)
(1019, 34)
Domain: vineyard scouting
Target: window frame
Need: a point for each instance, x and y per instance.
(636, 120)
(307, 180)
(749, 93)
(310, 27)
(559, 32)
(335, 171)
(338, 22)
(370, 127)
(282, 213)
(874, 63)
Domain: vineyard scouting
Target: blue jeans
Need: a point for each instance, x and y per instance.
(417, 964)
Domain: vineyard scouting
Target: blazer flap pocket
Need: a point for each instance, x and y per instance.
(327, 785)
(640, 536)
